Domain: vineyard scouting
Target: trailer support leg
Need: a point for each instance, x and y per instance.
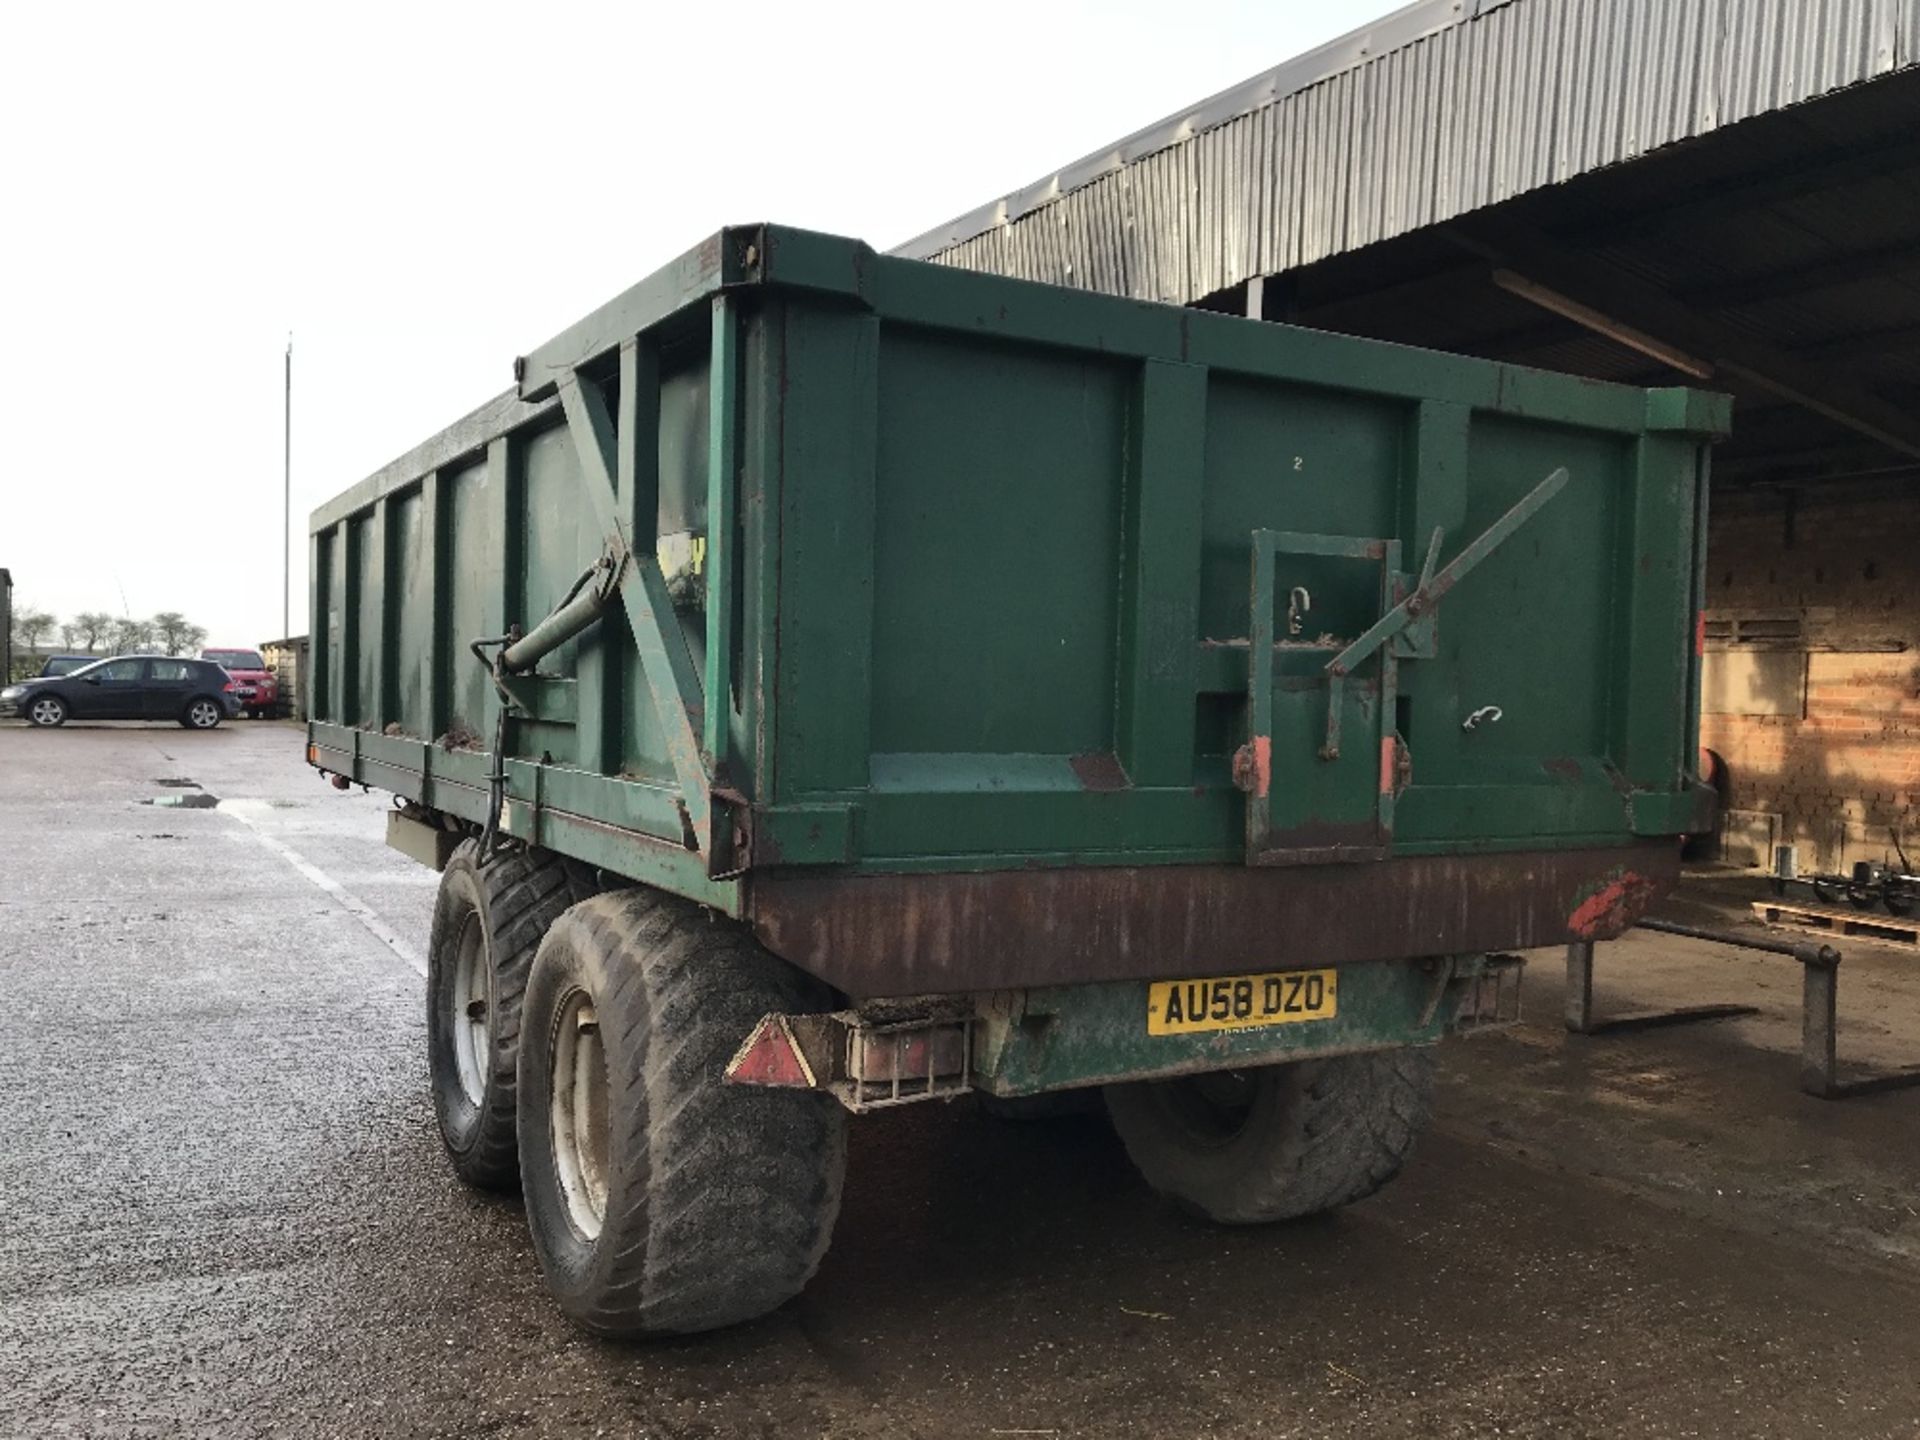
(1580, 987)
(1819, 1016)
(1579, 1010)
(1819, 1013)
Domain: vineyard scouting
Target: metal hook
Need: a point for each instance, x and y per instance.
(1298, 603)
(1489, 713)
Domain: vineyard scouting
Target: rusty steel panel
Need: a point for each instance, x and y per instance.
(946, 933)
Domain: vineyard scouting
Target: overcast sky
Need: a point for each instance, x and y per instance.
(420, 192)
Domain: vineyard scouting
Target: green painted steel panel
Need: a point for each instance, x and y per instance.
(997, 544)
(366, 598)
(474, 600)
(413, 659)
(323, 609)
(821, 540)
(989, 580)
(559, 542)
(683, 443)
(681, 469)
(1286, 457)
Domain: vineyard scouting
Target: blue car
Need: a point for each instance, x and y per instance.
(196, 693)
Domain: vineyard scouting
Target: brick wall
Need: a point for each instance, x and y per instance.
(1844, 771)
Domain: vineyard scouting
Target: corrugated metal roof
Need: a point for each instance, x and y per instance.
(1440, 109)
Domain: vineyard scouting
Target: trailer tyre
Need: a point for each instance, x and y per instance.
(661, 1199)
(487, 923)
(1279, 1142)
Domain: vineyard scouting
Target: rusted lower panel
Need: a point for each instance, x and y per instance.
(1100, 772)
(940, 934)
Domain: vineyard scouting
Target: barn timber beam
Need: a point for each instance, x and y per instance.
(1588, 318)
(1645, 310)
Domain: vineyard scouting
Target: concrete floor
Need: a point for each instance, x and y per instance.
(223, 1211)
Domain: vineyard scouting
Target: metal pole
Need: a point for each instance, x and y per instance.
(286, 500)
(1579, 1013)
(1819, 1022)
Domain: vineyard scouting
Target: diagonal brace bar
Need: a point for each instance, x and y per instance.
(1433, 587)
(673, 681)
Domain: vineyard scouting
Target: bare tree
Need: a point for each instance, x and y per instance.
(29, 625)
(70, 633)
(170, 629)
(95, 627)
(192, 639)
(132, 636)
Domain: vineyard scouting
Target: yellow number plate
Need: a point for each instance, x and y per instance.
(1242, 1002)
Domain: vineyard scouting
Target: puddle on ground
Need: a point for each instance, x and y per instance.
(177, 782)
(199, 800)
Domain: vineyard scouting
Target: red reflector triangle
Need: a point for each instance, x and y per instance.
(770, 1058)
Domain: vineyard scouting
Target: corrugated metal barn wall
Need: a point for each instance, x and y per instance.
(1526, 93)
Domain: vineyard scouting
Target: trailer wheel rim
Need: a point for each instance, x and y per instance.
(578, 1113)
(472, 1010)
(203, 715)
(45, 712)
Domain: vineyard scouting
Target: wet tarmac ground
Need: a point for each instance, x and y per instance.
(223, 1210)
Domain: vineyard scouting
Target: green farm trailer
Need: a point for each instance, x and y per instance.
(828, 681)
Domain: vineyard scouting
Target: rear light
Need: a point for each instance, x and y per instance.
(231, 686)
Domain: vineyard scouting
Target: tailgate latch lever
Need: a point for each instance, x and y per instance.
(1431, 590)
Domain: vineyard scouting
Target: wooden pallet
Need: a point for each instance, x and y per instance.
(1834, 920)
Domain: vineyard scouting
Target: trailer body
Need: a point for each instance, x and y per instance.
(963, 635)
(828, 681)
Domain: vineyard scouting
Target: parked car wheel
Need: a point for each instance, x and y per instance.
(201, 714)
(47, 711)
(663, 1200)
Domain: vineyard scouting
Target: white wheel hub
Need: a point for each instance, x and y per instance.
(578, 1114)
(472, 1010)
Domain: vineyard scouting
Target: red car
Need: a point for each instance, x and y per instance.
(255, 685)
